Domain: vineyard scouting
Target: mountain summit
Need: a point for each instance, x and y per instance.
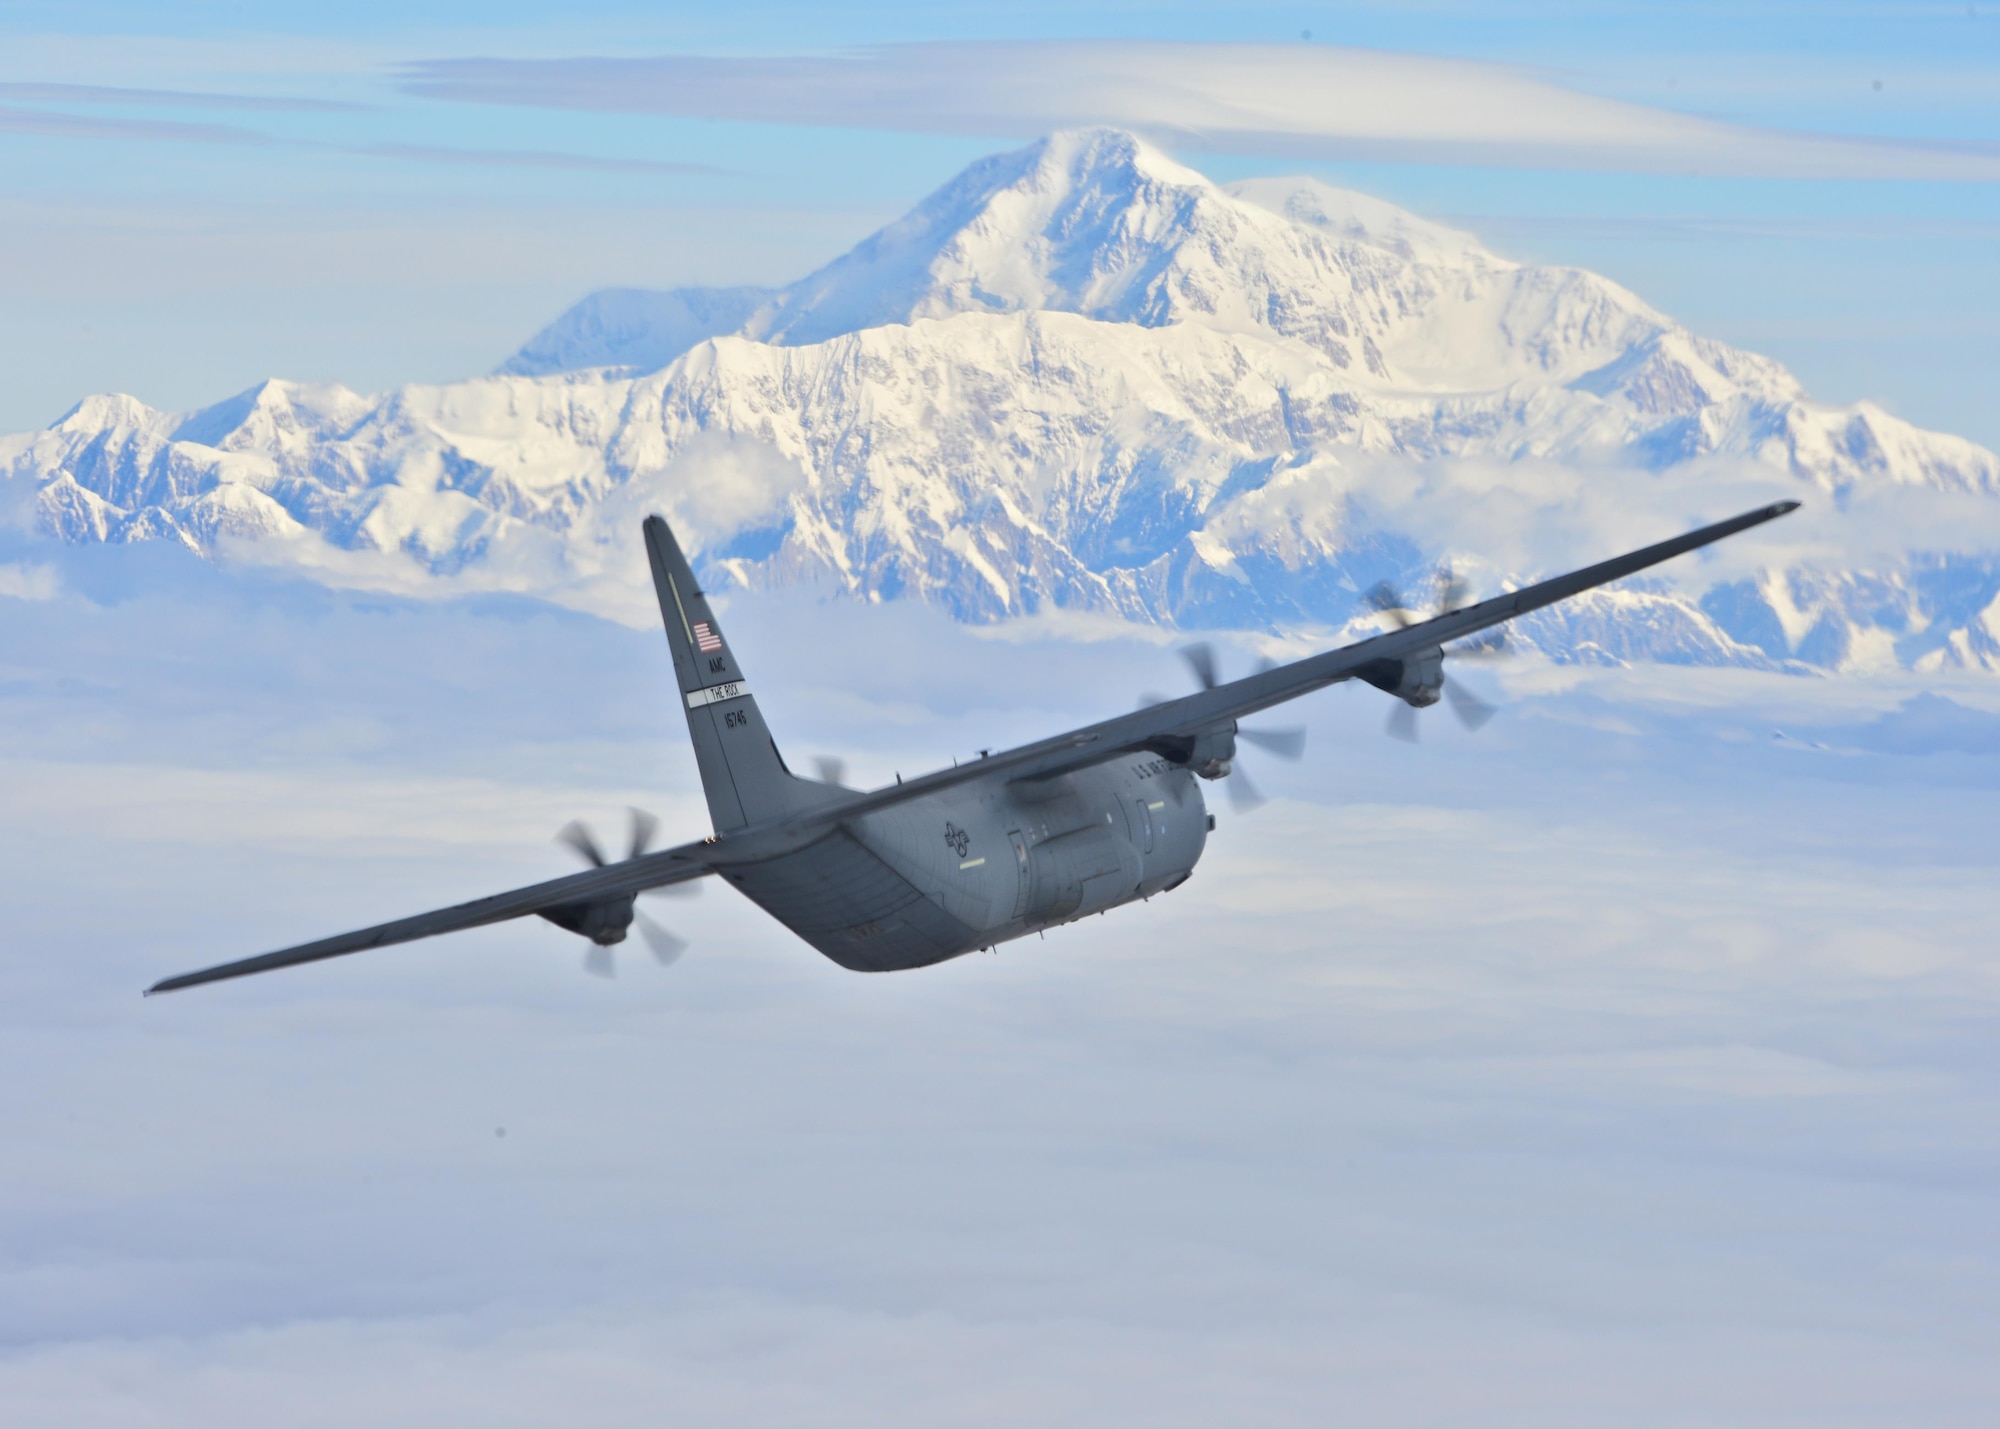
(1083, 377)
(1095, 222)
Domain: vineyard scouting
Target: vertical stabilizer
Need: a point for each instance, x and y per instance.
(741, 771)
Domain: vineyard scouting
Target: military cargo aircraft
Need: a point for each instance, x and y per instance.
(959, 860)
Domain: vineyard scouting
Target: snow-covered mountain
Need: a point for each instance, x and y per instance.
(1082, 377)
(635, 328)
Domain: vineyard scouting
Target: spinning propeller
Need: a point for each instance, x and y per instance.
(1472, 711)
(665, 946)
(1285, 743)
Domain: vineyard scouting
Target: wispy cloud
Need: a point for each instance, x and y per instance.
(528, 159)
(1310, 101)
(76, 126)
(72, 126)
(100, 94)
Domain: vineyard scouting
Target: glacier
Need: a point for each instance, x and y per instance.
(1082, 381)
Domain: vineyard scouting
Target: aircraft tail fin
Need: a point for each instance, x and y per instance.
(741, 770)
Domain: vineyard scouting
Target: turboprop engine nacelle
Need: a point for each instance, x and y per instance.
(1207, 754)
(1417, 680)
(604, 921)
(1212, 751)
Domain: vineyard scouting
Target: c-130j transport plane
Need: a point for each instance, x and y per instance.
(961, 859)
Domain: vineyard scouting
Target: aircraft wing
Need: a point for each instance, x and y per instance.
(1157, 727)
(1163, 724)
(635, 875)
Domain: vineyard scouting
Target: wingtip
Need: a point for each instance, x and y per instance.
(1785, 508)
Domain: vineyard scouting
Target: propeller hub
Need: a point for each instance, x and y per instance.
(1211, 754)
(607, 921)
(1420, 680)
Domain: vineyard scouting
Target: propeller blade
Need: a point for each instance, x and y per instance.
(1472, 711)
(831, 769)
(1200, 658)
(1285, 743)
(1243, 795)
(1403, 723)
(577, 836)
(1451, 591)
(1383, 597)
(1147, 701)
(666, 947)
(597, 962)
(644, 826)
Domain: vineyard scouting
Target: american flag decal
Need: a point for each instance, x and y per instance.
(705, 639)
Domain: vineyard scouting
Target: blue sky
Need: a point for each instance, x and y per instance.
(344, 227)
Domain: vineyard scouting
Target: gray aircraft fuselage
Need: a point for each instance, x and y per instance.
(984, 862)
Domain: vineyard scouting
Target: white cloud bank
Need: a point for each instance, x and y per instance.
(1602, 1069)
(1310, 101)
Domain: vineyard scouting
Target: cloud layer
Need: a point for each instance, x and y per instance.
(1497, 1079)
(1308, 101)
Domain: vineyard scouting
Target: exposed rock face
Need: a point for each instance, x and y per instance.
(1083, 377)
